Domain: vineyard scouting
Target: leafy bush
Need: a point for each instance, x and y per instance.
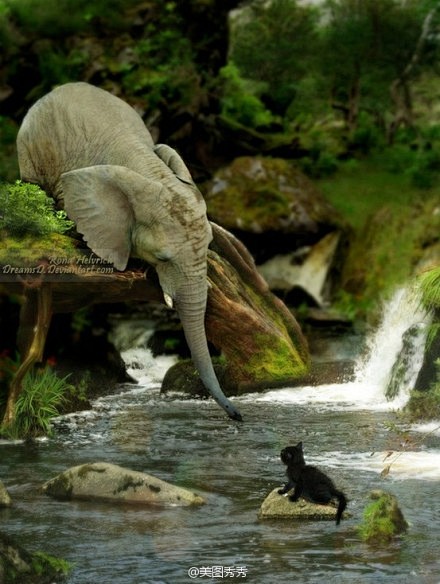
(273, 42)
(57, 18)
(367, 135)
(240, 100)
(425, 169)
(26, 210)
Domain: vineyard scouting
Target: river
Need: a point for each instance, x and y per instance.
(345, 429)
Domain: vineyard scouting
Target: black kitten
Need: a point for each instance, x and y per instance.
(309, 481)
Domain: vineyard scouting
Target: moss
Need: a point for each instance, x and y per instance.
(18, 566)
(85, 469)
(128, 482)
(45, 564)
(264, 194)
(424, 405)
(60, 487)
(276, 361)
(30, 251)
(382, 519)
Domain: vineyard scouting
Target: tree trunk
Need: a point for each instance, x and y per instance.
(35, 317)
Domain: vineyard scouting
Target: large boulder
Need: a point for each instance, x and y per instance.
(277, 506)
(103, 481)
(296, 237)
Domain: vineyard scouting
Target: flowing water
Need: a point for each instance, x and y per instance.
(345, 429)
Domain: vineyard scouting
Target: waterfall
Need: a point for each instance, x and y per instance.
(395, 350)
(388, 369)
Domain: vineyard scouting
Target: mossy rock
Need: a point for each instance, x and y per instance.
(270, 197)
(18, 566)
(383, 520)
(101, 481)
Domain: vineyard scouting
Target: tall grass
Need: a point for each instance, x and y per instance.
(42, 397)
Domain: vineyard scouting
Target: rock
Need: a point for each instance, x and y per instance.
(308, 270)
(270, 205)
(19, 566)
(108, 482)
(277, 506)
(383, 520)
(5, 498)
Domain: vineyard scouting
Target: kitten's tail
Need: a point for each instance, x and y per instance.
(342, 505)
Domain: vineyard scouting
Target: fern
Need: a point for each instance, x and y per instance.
(25, 209)
(430, 287)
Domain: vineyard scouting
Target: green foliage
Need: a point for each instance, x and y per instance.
(46, 564)
(58, 18)
(365, 46)
(273, 44)
(240, 100)
(425, 405)
(42, 397)
(8, 157)
(393, 222)
(163, 67)
(429, 283)
(26, 210)
(367, 136)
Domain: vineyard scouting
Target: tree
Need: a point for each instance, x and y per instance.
(366, 45)
(272, 43)
(400, 87)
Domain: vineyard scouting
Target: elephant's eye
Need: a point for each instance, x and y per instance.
(163, 256)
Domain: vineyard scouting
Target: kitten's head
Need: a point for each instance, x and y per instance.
(292, 454)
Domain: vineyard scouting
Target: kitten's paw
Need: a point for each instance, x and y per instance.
(281, 492)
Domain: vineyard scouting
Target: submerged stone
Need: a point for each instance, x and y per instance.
(5, 498)
(109, 482)
(277, 506)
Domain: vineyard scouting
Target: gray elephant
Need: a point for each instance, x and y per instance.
(128, 197)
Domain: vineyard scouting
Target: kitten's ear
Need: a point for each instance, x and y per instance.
(299, 445)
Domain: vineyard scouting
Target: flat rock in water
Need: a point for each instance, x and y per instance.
(108, 482)
(277, 506)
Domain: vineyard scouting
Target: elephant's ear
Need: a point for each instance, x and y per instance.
(174, 162)
(94, 199)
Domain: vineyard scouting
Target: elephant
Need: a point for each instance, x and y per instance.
(128, 197)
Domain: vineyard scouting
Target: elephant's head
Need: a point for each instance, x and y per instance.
(162, 219)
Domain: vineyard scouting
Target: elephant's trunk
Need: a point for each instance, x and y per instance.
(191, 307)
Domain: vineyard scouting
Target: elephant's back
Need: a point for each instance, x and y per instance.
(74, 126)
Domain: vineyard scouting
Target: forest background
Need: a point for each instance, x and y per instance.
(347, 89)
